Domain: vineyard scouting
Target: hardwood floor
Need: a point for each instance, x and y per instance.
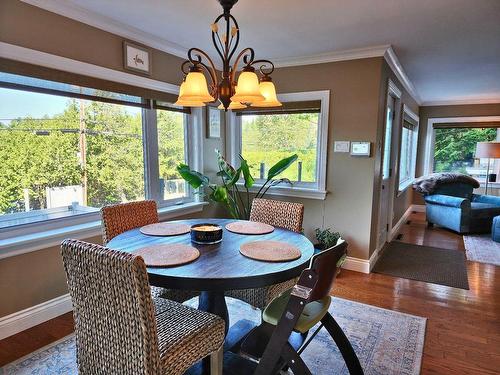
(463, 326)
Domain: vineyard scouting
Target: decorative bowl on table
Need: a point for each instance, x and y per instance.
(206, 234)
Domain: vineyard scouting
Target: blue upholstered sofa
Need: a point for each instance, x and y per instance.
(455, 207)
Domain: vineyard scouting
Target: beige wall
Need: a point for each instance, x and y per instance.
(32, 27)
(356, 114)
(427, 112)
(354, 90)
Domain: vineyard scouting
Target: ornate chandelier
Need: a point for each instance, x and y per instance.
(248, 90)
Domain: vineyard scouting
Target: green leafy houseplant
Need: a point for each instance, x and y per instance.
(235, 199)
(327, 238)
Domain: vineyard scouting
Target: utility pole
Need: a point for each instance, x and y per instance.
(83, 149)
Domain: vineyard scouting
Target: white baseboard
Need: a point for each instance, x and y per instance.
(395, 229)
(374, 258)
(418, 207)
(356, 264)
(32, 316)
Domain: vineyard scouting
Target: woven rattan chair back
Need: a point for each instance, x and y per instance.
(114, 316)
(280, 214)
(119, 218)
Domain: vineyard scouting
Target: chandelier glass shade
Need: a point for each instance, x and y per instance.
(247, 90)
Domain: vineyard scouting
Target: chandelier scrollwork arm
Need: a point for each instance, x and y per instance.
(248, 55)
(266, 68)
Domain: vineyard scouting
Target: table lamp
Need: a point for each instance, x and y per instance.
(488, 150)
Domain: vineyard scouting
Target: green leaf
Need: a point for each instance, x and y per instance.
(281, 166)
(235, 178)
(228, 171)
(193, 178)
(246, 173)
(220, 195)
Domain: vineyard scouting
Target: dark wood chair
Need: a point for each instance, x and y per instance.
(299, 310)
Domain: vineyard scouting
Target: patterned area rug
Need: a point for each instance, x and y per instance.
(481, 248)
(386, 342)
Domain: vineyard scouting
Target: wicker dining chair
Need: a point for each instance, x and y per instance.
(286, 215)
(119, 218)
(119, 329)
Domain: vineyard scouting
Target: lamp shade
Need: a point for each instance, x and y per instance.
(184, 102)
(268, 90)
(247, 89)
(233, 105)
(488, 150)
(195, 88)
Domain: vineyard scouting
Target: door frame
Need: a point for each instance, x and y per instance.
(396, 93)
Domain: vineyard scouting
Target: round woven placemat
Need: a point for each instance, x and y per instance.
(249, 227)
(167, 255)
(270, 251)
(165, 229)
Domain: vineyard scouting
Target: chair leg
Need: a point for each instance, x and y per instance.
(294, 361)
(345, 347)
(216, 364)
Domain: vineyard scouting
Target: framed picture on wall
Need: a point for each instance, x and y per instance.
(213, 122)
(136, 58)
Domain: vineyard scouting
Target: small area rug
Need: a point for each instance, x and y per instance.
(386, 342)
(481, 248)
(424, 263)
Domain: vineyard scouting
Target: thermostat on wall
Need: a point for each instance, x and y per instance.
(360, 148)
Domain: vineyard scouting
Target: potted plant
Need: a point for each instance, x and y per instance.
(235, 196)
(327, 238)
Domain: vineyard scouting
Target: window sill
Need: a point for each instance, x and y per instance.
(284, 191)
(404, 186)
(37, 241)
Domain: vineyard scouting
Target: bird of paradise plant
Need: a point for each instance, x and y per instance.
(235, 198)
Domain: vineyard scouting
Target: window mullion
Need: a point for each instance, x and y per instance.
(150, 147)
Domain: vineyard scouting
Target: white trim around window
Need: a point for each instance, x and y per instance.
(318, 191)
(408, 181)
(39, 235)
(431, 135)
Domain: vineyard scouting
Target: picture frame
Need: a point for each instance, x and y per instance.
(136, 58)
(213, 122)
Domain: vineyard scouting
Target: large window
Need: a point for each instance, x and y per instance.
(265, 136)
(266, 139)
(454, 150)
(408, 149)
(69, 154)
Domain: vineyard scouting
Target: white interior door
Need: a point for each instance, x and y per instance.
(385, 185)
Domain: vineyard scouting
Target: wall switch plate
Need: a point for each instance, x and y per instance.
(341, 146)
(360, 149)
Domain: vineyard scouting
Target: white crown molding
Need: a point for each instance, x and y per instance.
(397, 68)
(352, 54)
(461, 102)
(68, 9)
(31, 56)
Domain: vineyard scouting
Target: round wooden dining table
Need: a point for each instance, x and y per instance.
(220, 267)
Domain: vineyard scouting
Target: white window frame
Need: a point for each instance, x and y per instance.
(29, 237)
(405, 183)
(301, 190)
(193, 154)
(431, 135)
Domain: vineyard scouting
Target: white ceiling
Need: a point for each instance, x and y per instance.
(449, 49)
